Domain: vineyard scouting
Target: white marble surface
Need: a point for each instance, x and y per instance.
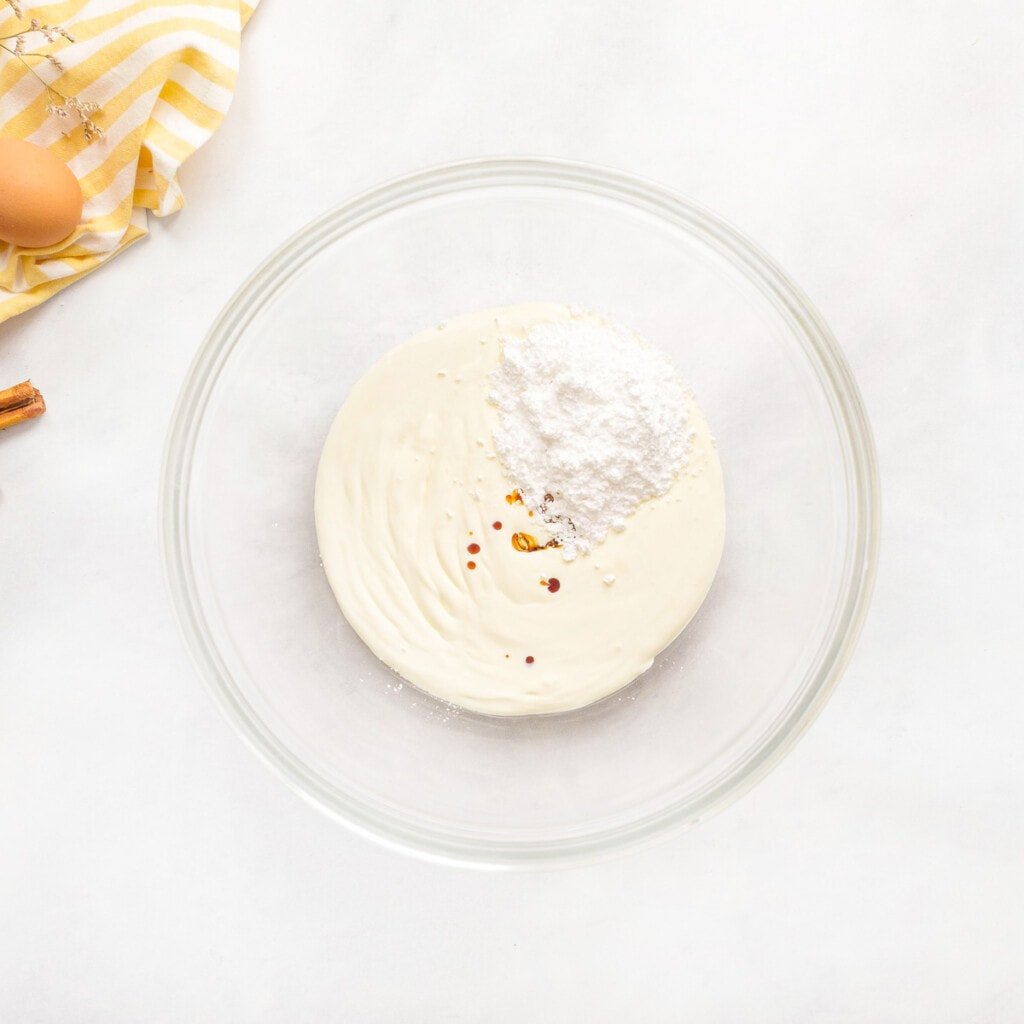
(152, 870)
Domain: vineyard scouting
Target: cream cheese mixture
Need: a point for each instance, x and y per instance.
(441, 567)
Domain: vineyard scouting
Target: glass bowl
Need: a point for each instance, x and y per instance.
(720, 706)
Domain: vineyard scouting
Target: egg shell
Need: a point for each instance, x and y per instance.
(40, 199)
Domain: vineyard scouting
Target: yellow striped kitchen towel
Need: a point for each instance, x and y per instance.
(161, 74)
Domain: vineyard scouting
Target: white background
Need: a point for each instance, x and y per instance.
(151, 869)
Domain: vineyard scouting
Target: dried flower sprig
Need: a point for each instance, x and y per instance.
(68, 108)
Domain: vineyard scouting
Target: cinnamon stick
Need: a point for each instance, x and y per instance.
(19, 403)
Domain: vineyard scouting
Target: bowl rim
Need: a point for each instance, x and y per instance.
(820, 346)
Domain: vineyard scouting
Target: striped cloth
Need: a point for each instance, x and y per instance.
(162, 72)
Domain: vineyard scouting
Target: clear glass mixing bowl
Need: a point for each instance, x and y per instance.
(719, 707)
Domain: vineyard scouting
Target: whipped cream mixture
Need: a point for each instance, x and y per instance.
(439, 565)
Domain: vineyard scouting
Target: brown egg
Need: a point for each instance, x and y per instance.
(40, 199)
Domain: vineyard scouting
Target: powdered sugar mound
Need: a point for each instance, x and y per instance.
(591, 423)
